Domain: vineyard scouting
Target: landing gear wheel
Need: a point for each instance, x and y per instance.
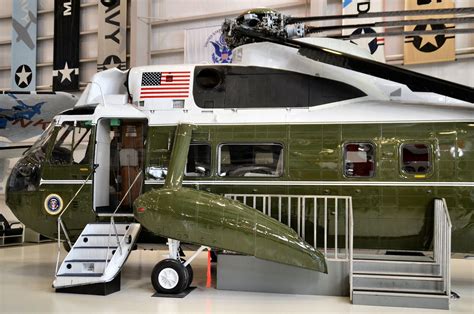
(169, 276)
(190, 271)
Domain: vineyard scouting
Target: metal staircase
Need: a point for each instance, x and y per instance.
(94, 262)
(399, 281)
(96, 258)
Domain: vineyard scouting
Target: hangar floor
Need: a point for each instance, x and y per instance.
(26, 274)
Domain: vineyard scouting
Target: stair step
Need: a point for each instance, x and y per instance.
(80, 275)
(398, 277)
(414, 300)
(87, 261)
(396, 267)
(82, 267)
(90, 254)
(399, 258)
(398, 283)
(394, 274)
(101, 235)
(401, 290)
(95, 261)
(98, 241)
(412, 293)
(375, 260)
(105, 228)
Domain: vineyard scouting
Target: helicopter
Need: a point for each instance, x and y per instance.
(161, 145)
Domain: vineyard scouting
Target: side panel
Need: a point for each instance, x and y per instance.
(392, 210)
(30, 209)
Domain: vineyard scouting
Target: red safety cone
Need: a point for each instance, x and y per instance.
(209, 279)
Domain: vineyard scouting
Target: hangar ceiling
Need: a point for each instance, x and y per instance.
(156, 28)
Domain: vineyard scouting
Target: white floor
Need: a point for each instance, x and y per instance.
(26, 274)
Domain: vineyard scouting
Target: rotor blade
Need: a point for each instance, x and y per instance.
(456, 20)
(468, 10)
(417, 82)
(389, 32)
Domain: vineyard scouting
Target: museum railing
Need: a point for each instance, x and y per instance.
(323, 221)
(442, 242)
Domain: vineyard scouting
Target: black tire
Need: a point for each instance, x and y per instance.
(190, 271)
(174, 269)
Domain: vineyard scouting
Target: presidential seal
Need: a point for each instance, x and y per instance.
(53, 204)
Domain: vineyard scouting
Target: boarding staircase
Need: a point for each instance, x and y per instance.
(94, 262)
(374, 279)
(408, 281)
(96, 258)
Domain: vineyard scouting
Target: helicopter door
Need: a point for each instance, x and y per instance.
(120, 157)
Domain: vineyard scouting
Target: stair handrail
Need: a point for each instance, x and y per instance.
(112, 220)
(351, 249)
(60, 223)
(128, 191)
(266, 208)
(263, 203)
(442, 242)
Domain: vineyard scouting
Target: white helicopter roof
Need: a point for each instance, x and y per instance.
(385, 101)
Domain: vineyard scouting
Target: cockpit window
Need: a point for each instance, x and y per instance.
(25, 176)
(72, 144)
(38, 150)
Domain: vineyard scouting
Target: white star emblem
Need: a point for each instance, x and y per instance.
(112, 64)
(23, 75)
(66, 73)
(425, 39)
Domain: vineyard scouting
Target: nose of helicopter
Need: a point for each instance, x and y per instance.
(24, 178)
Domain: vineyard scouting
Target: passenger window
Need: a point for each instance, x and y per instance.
(72, 144)
(251, 160)
(359, 159)
(415, 158)
(199, 161)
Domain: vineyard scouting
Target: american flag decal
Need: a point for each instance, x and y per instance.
(165, 84)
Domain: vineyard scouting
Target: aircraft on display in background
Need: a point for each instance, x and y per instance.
(21, 111)
(22, 31)
(23, 117)
(162, 145)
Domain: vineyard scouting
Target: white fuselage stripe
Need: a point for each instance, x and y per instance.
(288, 183)
(64, 182)
(320, 183)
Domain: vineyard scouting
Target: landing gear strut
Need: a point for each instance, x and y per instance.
(174, 274)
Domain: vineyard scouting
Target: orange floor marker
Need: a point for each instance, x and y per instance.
(209, 279)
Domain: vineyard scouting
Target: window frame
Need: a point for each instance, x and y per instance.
(219, 155)
(405, 174)
(374, 146)
(74, 145)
